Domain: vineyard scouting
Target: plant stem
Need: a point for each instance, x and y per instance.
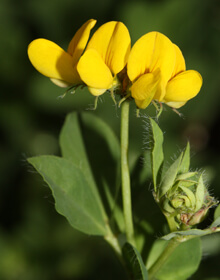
(173, 243)
(113, 241)
(172, 224)
(125, 174)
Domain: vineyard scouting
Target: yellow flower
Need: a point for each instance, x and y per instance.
(105, 56)
(157, 70)
(183, 85)
(52, 61)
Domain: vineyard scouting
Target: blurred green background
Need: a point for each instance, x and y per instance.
(35, 241)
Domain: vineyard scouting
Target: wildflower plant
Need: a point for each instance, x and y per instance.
(152, 71)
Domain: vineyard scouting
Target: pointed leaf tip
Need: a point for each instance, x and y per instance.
(185, 164)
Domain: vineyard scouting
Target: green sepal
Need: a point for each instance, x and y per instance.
(190, 195)
(186, 176)
(134, 262)
(180, 165)
(185, 164)
(200, 194)
(169, 177)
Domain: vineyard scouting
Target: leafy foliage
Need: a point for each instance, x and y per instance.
(73, 193)
(181, 264)
(31, 115)
(71, 179)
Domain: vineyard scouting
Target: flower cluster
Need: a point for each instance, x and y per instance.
(153, 69)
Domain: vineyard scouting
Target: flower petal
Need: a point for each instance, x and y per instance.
(175, 104)
(80, 39)
(96, 91)
(183, 87)
(180, 64)
(112, 41)
(52, 61)
(60, 83)
(93, 71)
(153, 50)
(144, 89)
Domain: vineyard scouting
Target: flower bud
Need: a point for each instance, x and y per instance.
(187, 201)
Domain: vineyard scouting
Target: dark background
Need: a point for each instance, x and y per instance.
(35, 241)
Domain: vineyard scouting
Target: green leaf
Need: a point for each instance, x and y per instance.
(134, 262)
(185, 164)
(72, 145)
(194, 232)
(170, 176)
(73, 148)
(90, 144)
(157, 156)
(181, 264)
(103, 150)
(216, 223)
(73, 192)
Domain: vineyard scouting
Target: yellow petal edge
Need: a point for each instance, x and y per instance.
(52, 61)
(79, 40)
(183, 86)
(94, 72)
(112, 41)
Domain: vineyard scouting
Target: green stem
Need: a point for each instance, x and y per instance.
(113, 241)
(125, 174)
(173, 243)
(172, 223)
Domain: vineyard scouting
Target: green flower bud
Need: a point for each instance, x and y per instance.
(187, 201)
